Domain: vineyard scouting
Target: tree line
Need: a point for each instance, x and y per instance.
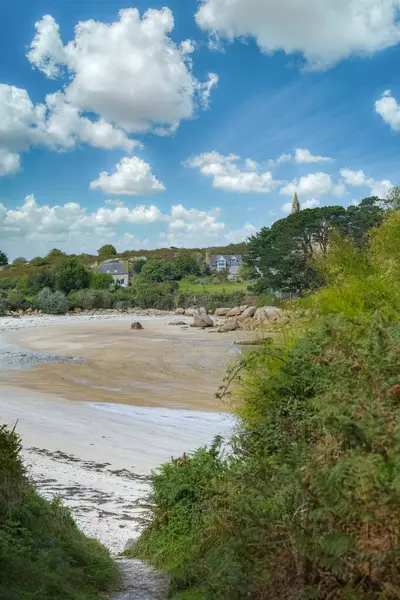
(61, 283)
(285, 253)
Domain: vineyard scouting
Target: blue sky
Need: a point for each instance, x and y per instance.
(115, 128)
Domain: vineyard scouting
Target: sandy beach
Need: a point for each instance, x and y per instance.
(162, 365)
(99, 406)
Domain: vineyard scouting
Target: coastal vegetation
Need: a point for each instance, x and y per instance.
(303, 502)
(285, 252)
(43, 555)
(58, 283)
(279, 261)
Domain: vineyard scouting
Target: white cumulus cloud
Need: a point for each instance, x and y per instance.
(124, 77)
(240, 235)
(324, 31)
(282, 159)
(33, 229)
(388, 108)
(205, 89)
(304, 156)
(192, 227)
(133, 176)
(313, 185)
(56, 124)
(312, 203)
(377, 188)
(9, 162)
(228, 175)
(129, 72)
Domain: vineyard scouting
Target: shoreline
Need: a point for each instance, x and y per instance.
(98, 459)
(96, 454)
(100, 359)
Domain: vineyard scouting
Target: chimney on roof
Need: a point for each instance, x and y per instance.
(296, 204)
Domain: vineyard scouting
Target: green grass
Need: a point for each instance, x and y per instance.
(212, 288)
(43, 555)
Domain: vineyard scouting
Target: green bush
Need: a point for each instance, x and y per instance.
(159, 271)
(102, 281)
(20, 260)
(306, 502)
(38, 261)
(16, 300)
(107, 251)
(8, 283)
(3, 305)
(39, 279)
(52, 303)
(161, 296)
(3, 259)
(71, 274)
(91, 298)
(42, 553)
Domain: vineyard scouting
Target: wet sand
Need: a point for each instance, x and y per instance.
(93, 428)
(161, 365)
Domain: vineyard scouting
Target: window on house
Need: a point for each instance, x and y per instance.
(221, 264)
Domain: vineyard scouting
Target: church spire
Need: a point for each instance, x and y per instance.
(296, 204)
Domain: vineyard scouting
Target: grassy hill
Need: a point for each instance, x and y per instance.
(89, 259)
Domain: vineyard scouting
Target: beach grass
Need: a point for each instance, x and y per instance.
(43, 555)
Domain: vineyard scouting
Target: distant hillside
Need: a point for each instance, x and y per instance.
(89, 259)
(171, 253)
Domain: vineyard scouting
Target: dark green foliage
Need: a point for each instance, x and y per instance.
(210, 301)
(42, 553)
(161, 296)
(39, 279)
(286, 251)
(3, 259)
(3, 305)
(55, 254)
(91, 298)
(188, 264)
(107, 251)
(38, 261)
(137, 266)
(19, 261)
(71, 274)
(16, 300)
(160, 271)
(362, 218)
(174, 536)
(101, 281)
(8, 283)
(309, 503)
(306, 502)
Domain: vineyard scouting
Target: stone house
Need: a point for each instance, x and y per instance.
(120, 272)
(226, 262)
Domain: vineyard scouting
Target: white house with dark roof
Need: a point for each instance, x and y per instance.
(226, 262)
(120, 272)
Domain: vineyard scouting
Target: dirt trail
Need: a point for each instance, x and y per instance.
(140, 582)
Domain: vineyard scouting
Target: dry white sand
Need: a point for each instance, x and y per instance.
(97, 455)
